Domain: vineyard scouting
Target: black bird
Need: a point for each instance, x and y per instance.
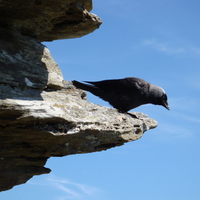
(126, 94)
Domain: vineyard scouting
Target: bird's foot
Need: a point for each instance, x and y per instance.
(132, 115)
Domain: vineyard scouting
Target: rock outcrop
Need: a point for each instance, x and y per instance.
(41, 115)
(49, 20)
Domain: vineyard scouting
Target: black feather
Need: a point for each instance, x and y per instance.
(126, 94)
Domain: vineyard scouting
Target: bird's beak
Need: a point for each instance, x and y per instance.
(166, 105)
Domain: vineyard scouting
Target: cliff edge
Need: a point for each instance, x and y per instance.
(41, 115)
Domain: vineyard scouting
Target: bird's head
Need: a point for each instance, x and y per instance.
(159, 96)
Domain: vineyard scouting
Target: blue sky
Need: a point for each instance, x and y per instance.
(159, 42)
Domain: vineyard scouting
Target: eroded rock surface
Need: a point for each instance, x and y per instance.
(41, 115)
(49, 20)
(57, 123)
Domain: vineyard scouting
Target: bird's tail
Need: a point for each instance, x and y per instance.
(91, 88)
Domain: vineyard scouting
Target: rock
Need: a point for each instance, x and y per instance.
(16, 170)
(41, 115)
(57, 123)
(49, 20)
(25, 62)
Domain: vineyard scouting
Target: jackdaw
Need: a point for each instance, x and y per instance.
(126, 94)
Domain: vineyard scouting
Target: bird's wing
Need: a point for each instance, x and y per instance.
(129, 83)
(91, 88)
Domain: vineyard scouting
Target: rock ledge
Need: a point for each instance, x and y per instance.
(41, 115)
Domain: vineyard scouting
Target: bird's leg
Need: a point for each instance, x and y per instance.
(125, 112)
(132, 115)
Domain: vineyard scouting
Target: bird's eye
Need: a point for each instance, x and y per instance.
(164, 97)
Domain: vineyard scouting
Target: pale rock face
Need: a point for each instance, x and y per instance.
(49, 20)
(41, 115)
